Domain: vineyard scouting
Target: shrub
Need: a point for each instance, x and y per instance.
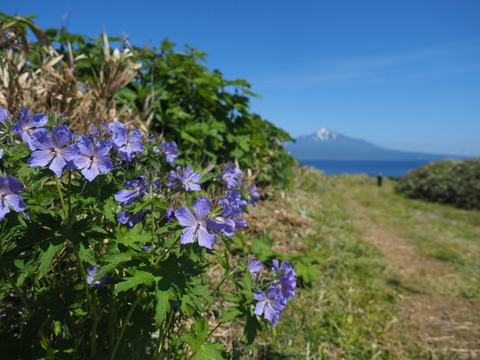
(158, 90)
(102, 256)
(448, 181)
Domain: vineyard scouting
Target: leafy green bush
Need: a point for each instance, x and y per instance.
(158, 90)
(102, 258)
(448, 181)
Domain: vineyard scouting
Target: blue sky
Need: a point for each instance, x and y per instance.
(403, 74)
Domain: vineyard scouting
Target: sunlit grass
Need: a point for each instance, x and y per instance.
(350, 309)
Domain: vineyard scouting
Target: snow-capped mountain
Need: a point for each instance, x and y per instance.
(321, 135)
(326, 144)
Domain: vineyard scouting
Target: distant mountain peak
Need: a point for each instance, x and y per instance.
(326, 144)
(326, 135)
(322, 135)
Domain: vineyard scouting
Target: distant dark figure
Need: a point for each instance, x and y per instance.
(379, 179)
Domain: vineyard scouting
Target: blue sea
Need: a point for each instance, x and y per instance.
(392, 168)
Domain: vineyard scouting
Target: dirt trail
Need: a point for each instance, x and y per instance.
(431, 317)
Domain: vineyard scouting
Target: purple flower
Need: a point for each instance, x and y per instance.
(270, 304)
(254, 196)
(126, 197)
(255, 267)
(9, 197)
(188, 178)
(196, 226)
(131, 219)
(288, 278)
(53, 150)
(25, 127)
(232, 208)
(230, 175)
(168, 150)
(94, 133)
(1, 153)
(93, 160)
(287, 285)
(91, 272)
(284, 268)
(126, 143)
(5, 119)
(169, 215)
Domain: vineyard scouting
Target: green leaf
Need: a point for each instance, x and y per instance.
(162, 307)
(138, 278)
(252, 326)
(230, 314)
(86, 254)
(188, 138)
(118, 258)
(262, 247)
(132, 236)
(126, 95)
(208, 352)
(46, 259)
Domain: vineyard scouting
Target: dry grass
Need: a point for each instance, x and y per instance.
(48, 82)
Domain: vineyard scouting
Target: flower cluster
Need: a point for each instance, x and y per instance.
(91, 155)
(112, 144)
(230, 176)
(272, 301)
(184, 177)
(127, 197)
(168, 149)
(9, 197)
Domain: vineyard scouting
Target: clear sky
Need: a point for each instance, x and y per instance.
(403, 74)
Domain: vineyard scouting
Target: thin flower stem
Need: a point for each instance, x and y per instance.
(57, 182)
(161, 339)
(91, 305)
(213, 330)
(125, 323)
(69, 196)
(153, 225)
(221, 282)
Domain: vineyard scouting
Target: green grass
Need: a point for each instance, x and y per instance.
(441, 232)
(347, 305)
(345, 312)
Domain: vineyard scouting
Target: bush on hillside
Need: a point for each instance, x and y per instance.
(448, 182)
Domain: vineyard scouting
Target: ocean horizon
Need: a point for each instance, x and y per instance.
(390, 168)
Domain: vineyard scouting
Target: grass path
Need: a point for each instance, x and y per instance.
(439, 308)
(380, 276)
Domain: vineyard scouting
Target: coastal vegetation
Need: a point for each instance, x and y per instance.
(177, 226)
(448, 182)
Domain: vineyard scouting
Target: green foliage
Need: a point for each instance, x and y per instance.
(163, 90)
(198, 109)
(78, 283)
(449, 182)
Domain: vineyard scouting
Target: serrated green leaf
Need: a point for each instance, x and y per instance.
(108, 210)
(46, 259)
(132, 236)
(86, 254)
(138, 278)
(230, 314)
(209, 352)
(188, 138)
(118, 258)
(162, 307)
(252, 326)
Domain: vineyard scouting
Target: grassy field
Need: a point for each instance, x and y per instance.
(381, 276)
